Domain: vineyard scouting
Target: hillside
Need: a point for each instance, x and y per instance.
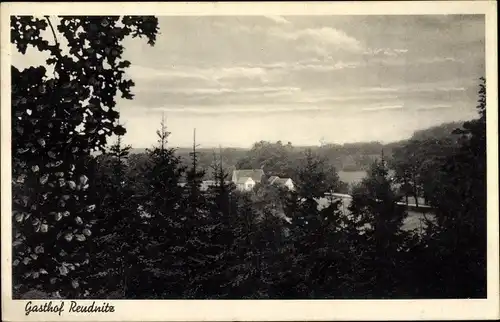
(277, 157)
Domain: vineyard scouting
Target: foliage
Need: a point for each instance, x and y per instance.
(58, 118)
(378, 218)
(459, 236)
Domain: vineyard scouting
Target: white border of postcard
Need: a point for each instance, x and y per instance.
(263, 310)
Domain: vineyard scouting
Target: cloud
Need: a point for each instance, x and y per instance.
(433, 107)
(414, 88)
(258, 109)
(225, 90)
(434, 60)
(324, 36)
(380, 89)
(278, 19)
(382, 108)
(209, 74)
(391, 52)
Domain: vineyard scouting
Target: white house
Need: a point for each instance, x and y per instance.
(247, 179)
(245, 183)
(284, 182)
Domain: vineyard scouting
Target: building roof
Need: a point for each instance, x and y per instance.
(243, 179)
(272, 178)
(281, 180)
(255, 174)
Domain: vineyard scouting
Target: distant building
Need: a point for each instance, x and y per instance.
(247, 179)
(283, 182)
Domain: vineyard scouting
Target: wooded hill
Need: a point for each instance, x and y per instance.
(278, 158)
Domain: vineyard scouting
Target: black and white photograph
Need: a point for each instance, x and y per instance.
(248, 157)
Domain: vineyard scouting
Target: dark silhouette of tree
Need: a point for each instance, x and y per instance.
(162, 270)
(59, 117)
(458, 239)
(117, 241)
(378, 218)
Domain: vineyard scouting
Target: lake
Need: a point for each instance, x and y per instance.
(351, 177)
(414, 219)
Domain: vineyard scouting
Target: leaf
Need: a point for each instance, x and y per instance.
(74, 283)
(15, 262)
(83, 179)
(44, 228)
(63, 270)
(17, 242)
(26, 260)
(19, 217)
(39, 249)
(80, 237)
(35, 275)
(87, 232)
(72, 185)
(78, 220)
(44, 179)
(21, 178)
(68, 237)
(43, 271)
(35, 168)
(34, 256)
(51, 155)
(119, 130)
(58, 216)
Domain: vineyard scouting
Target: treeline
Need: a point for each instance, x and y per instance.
(113, 226)
(281, 159)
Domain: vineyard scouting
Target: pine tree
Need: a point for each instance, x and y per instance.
(162, 271)
(378, 218)
(217, 235)
(314, 230)
(117, 239)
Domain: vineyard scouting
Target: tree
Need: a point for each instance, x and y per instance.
(274, 158)
(314, 234)
(378, 218)
(163, 225)
(458, 244)
(117, 240)
(58, 118)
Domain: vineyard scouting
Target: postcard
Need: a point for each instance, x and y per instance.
(294, 161)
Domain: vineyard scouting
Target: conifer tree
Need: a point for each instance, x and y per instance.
(117, 239)
(313, 229)
(375, 213)
(162, 270)
(218, 235)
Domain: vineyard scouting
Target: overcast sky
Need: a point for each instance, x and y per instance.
(238, 79)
